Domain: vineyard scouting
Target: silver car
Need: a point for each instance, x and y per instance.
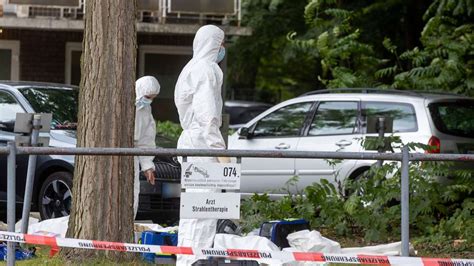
(336, 120)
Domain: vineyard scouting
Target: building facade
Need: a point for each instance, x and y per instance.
(42, 40)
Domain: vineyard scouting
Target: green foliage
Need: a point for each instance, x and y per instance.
(328, 43)
(338, 36)
(260, 208)
(369, 205)
(345, 60)
(264, 66)
(168, 130)
(445, 62)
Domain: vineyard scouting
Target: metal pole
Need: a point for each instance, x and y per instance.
(405, 202)
(11, 200)
(381, 127)
(30, 176)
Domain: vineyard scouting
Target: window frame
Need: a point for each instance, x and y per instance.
(301, 130)
(159, 49)
(70, 47)
(357, 126)
(14, 46)
(364, 122)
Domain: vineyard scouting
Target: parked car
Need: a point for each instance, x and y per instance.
(243, 111)
(52, 192)
(336, 120)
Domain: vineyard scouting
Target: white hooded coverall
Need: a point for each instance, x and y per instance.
(199, 103)
(145, 131)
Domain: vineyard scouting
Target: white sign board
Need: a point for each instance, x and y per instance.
(210, 175)
(210, 205)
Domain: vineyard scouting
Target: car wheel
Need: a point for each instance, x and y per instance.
(55, 197)
(355, 176)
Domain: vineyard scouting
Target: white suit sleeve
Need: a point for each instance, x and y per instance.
(206, 111)
(145, 132)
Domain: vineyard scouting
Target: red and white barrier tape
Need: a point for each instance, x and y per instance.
(56, 242)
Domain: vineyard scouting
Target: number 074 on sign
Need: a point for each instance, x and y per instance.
(210, 175)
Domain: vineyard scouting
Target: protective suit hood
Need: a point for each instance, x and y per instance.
(146, 85)
(207, 41)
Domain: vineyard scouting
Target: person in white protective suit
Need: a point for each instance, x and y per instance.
(146, 89)
(199, 103)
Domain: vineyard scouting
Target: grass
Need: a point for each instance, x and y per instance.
(43, 258)
(444, 249)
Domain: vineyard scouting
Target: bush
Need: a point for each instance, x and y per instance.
(167, 134)
(372, 209)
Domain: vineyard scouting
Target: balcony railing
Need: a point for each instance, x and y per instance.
(226, 12)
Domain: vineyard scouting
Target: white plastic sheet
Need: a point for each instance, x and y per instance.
(158, 228)
(31, 221)
(391, 249)
(225, 241)
(254, 232)
(3, 226)
(56, 227)
(306, 241)
(313, 241)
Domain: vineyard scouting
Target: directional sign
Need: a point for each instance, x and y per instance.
(210, 205)
(210, 175)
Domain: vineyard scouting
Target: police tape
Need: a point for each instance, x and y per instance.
(283, 256)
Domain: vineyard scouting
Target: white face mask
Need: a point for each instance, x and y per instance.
(143, 102)
(221, 54)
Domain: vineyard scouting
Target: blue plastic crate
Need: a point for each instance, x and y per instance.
(159, 239)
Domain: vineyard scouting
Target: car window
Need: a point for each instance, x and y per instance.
(9, 107)
(454, 118)
(242, 115)
(284, 122)
(334, 118)
(403, 115)
(62, 103)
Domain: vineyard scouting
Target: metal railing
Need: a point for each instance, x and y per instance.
(404, 157)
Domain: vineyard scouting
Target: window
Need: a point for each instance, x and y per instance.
(9, 60)
(403, 115)
(9, 107)
(73, 63)
(285, 122)
(62, 103)
(164, 63)
(242, 115)
(334, 118)
(454, 118)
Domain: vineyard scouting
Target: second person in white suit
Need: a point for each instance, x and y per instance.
(146, 89)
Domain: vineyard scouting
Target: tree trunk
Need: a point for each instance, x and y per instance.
(102, 206)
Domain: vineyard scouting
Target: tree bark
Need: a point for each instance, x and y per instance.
(102, 206)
